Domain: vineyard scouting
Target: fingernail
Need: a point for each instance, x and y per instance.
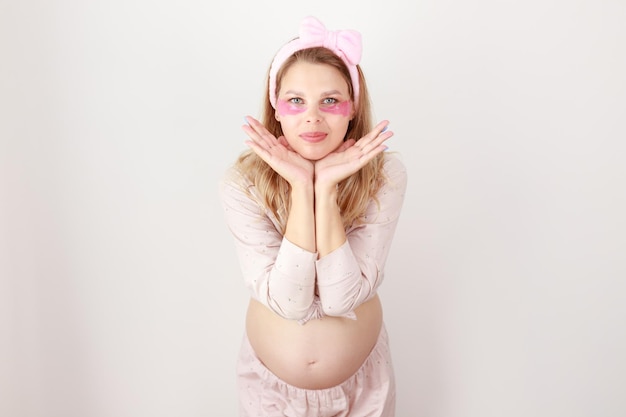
(384, 129)
(246, 120)
(386, 147)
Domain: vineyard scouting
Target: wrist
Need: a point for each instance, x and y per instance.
(326, 192)
(301, 189)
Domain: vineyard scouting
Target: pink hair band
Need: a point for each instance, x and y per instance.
(346, 44)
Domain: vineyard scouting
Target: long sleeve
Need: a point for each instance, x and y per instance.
(278, 273)
(352, 273)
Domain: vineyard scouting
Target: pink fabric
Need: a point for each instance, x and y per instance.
(283, 276)
(346, 44)
(369, 392)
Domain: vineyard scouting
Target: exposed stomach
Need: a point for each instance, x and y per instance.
(319, 354)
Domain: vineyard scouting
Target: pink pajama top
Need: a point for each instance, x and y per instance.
(283, 276)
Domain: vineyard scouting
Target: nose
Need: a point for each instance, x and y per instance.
(313, 114)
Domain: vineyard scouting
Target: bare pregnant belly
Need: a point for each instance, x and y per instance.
(319, 354)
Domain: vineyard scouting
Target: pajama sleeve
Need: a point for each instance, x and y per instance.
(278, 273)
(351, 274)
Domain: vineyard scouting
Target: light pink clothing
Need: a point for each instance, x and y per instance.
(283, 276)
(370, 392)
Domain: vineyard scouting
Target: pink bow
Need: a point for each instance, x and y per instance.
(346, 44)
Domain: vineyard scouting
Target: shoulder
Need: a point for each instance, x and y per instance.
(232, 177)
(234, 186)
(394, 170)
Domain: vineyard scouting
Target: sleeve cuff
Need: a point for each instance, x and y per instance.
(337, 266)
(292, 260)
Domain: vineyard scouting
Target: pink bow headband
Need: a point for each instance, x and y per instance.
(346, 44)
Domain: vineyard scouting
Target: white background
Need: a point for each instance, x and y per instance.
(120, 294)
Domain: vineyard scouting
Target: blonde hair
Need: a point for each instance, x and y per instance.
(355, 192)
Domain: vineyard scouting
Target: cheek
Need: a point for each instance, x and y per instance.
(341, 109)
(286, 108)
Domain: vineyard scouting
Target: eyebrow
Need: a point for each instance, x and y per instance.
(324, 94)
(295, 93)
(332, 93)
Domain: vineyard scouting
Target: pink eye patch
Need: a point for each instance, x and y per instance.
(341, 108)
(287, 108)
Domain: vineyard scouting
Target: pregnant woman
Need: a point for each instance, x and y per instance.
(313, 205)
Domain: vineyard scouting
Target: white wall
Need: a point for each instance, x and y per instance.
(119, 289)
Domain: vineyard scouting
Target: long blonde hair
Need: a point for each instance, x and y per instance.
(355, 192)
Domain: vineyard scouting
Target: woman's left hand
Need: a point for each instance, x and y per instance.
(351, 156)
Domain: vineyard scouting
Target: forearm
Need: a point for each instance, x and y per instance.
(292, 281)
(329, 229)
(352, 273)
(278, 273)
(290, 284)
(300, 228)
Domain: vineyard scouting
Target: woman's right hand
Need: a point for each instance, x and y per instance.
(278, 154)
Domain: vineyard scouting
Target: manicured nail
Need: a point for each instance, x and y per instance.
(384, 129)
(246, 120)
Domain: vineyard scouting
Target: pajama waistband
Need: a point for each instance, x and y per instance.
(369, 391)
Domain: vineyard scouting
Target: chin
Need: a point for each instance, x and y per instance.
(313, 156)
(312, 152)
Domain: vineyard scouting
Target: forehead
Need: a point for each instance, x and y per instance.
(308, 76)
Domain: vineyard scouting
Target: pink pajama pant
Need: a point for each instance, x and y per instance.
(369, 392)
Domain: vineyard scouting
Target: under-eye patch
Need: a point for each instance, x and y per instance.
(341, 108)
(287, 108)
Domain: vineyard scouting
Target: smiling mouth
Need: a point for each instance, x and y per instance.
(313, 136)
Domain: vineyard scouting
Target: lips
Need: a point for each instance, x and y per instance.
(313, 136)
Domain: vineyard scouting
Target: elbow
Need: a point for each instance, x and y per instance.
(291, 303)
(289, 311)
(295, 315)
(336, 307)
(340, 303)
